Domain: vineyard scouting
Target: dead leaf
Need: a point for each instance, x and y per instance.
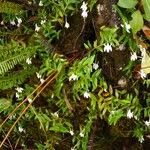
(146, 31)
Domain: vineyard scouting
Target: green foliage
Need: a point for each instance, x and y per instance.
(13, 54)
(86, 77)
(136, 22)
(50, 32)
(137, 16)
(10, 8)
(146, 5)
(115, 116)
(138, 132)
(127, 3)
(16, 78)
(108, 35)
(104, 105)
(62, 9)
(4, 104)
(72, 94)
(91, 4)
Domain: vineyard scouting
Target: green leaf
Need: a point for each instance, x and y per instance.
(59, 128)
(146, 5)
(145, 65)
(113, 118)
(136, 22)
(127, 3)
(86, 46)
(95, 44)
(4, 104)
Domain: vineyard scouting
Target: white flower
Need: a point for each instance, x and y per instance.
(133, 56)
(55, 114)
(100, 8)
(84, 6)
(143, 74)
(19, 21)
(13, 22)
(52, 96)
(143, 53)
(38, 75)
(112, 112)
(20, 129)
(67, 25)
(129, 114)
(141, 139)
(86, 95)
(37, 28)
(95, 66)
(43, 21)
(121, 47)
(12, 117)
(143, 50)
(107, 48)
(28, 61)
(72, 148)
(84, 10)
(42, 80)
(40, 4)
(23, 145)
(135, 117)
(147, 123)
(81, 134)
(71, 132)
(30, 100)
(2, 22)
(127, 27)
(17, 95)
(73, 77)
(84, 14)
(19, 89)
(29, 2)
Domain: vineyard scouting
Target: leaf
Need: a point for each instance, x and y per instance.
(4, 104)
(95, 44)
(59, 128)
(146, 31)
(136, 22)
(145, 65)
(146, 5)
(127, 3)
(113, 118)
(86, 46)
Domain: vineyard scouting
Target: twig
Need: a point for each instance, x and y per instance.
(23, 112)
(75, 43)
(26, 99)
(9, 142)
(67, 101)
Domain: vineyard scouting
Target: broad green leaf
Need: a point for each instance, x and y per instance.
(127, 3)
(145, 65)
(136, 22)
(146, 5)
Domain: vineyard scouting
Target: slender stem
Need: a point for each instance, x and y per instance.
(75, 43)
(26, 99)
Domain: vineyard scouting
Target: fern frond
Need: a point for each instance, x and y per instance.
(11, 56)
(10, 8)
(13, 80)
